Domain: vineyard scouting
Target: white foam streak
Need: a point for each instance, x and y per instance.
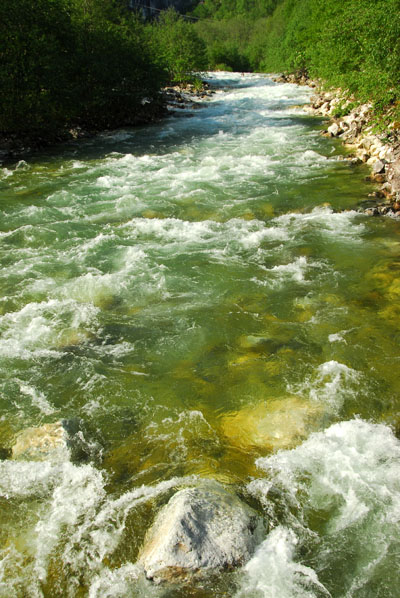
(352, 469)
(351, 474)
(20, 479)
(38, 399)
(118, 582)
(274, 573)
(40, 327)
(332, 383)
(248, 234)
(340, 225)
(77, 495)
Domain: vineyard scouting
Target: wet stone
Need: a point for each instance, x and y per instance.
(334, 130)
(378, 167)
(55, 442)
(46, 443)
(201, 530)
(272, 425)
(379, 178)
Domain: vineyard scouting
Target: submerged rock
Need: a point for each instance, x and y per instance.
(56, 442)
(5, 453)
(278, 424)
(46, 443)
(200, 530)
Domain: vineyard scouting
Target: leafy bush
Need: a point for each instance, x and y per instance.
(343, 109)
(68, 62)
(353, 45)
(226, 42)
(180, 49)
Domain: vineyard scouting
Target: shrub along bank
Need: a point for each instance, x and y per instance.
(350, 49)
(92, 64)
(354, 45)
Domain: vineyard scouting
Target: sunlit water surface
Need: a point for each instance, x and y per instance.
(204, 296)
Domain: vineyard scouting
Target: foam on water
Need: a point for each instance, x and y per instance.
(136, 268)
(341, 490)
(38, 327)
(76, 523)
(324, 221)
(274, 573)
(118, 582)
(284, 273)
(331, 384)
(37, 397)
(197, 234)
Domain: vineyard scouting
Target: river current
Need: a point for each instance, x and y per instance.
(203, 296)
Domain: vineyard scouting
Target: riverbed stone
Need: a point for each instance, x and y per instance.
(56, 442)
(45, 443)
(199, 531)
(364, 156)
(379, 178)
(272, 425)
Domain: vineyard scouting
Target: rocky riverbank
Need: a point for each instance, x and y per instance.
(353, 123)
(179, 97)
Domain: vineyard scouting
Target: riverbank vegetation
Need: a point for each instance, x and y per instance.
(353, 45)
(92, 64)
(70, 65)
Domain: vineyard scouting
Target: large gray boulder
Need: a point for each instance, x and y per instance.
(200, 529)
(378, 167)
(334, 130)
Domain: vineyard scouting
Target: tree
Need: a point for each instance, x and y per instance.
(179, 46)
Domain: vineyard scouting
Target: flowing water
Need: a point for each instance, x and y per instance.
(204, 297)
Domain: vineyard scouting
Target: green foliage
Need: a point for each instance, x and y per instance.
(230, 29)
(180, 49)
(88, 62)
(226, 9)
(35, 61)
(343, 109)
(353, 44)
(226, 42)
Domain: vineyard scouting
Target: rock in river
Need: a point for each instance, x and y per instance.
(200, 530)
(56, 442)
(272, 425)
(48, 442)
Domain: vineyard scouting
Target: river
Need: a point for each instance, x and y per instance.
(204, 298)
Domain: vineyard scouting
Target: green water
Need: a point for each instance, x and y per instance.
(205, 297)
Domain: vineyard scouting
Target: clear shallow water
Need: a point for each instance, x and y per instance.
(195, 294)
